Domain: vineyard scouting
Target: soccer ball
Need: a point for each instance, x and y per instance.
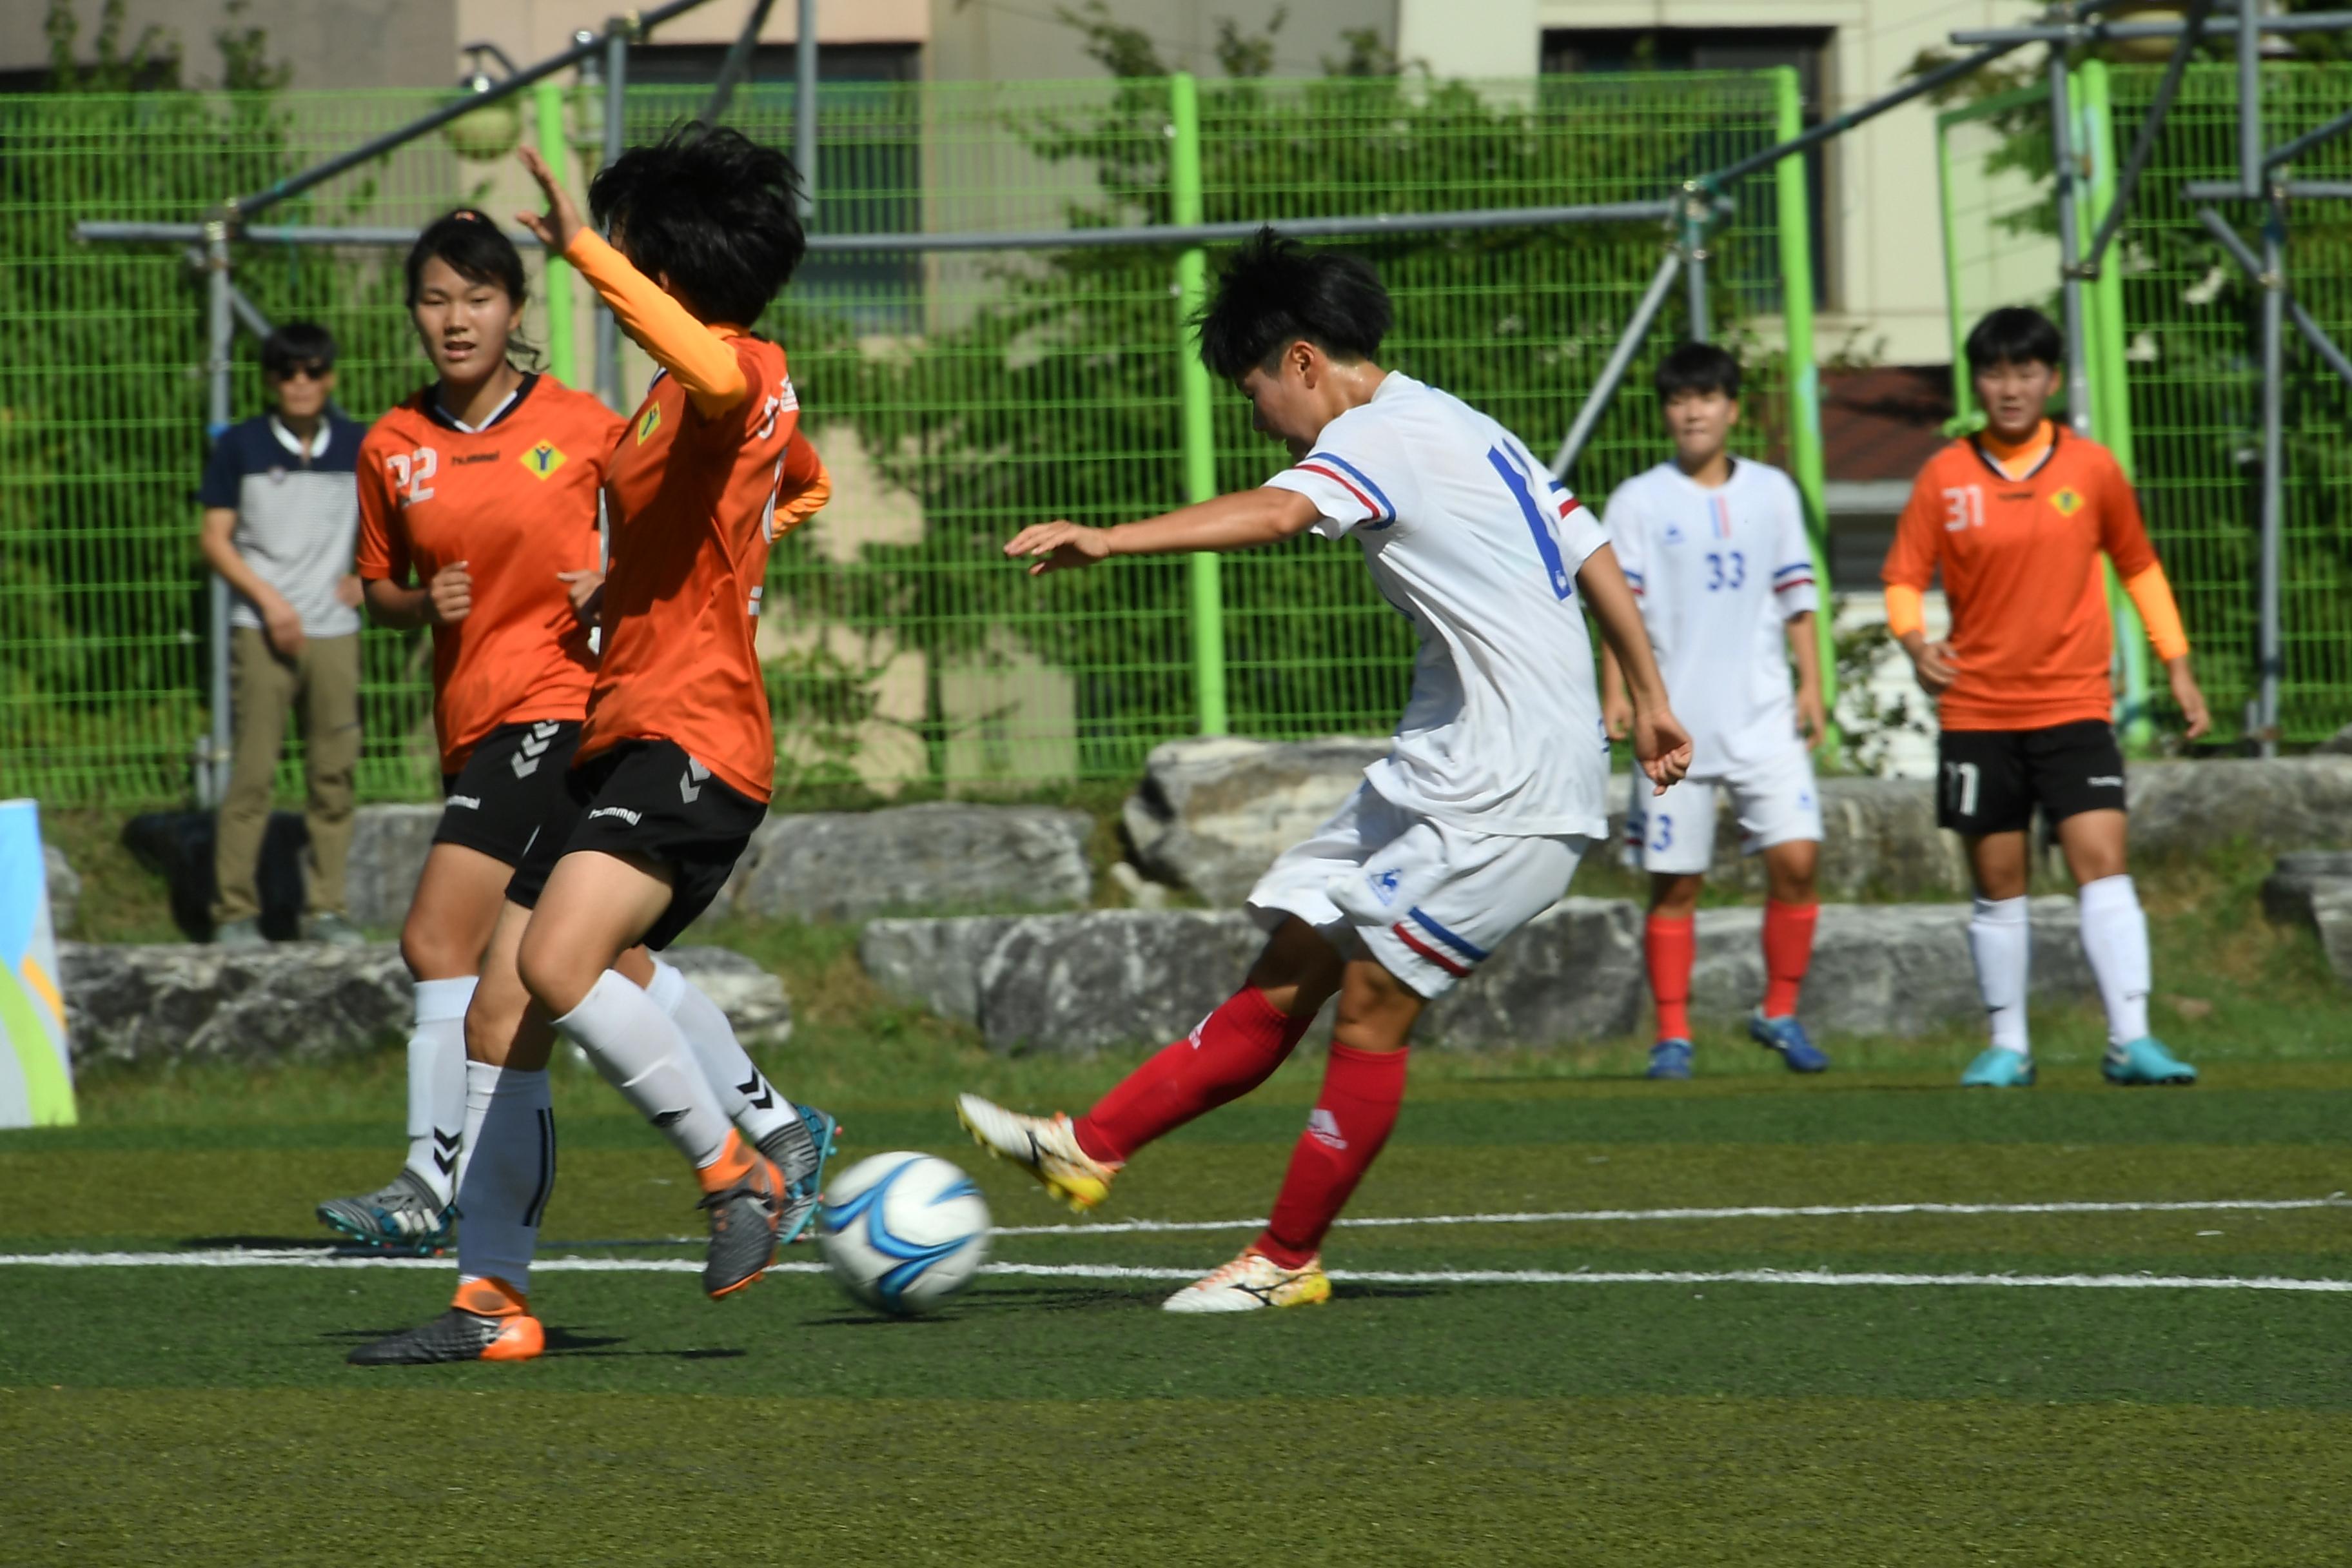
(901, 1233)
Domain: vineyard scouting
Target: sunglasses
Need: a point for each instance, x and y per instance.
(316, 370)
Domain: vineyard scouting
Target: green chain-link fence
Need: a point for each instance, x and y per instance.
(956, 395)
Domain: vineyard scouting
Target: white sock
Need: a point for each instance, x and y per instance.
(2001, 941)
(2115, 939)
(641, 1054)
(436, 1083)
(508, 1173)
(745, 1095)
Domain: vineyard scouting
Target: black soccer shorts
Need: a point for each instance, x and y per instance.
(1990, 781)
(649, 800)
(511, 790)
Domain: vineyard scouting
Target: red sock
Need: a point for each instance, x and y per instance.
(1361, 1092)
(1236, 1049)
(1672, 947)
(1787, 951)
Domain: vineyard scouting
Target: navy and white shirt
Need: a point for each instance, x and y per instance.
(1475, 542)
(1719, 571)
(298, 514)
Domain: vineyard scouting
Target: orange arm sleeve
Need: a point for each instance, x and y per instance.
(2151, 595)
(1906, 610)
(694, 352)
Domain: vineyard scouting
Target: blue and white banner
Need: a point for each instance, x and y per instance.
(35, 1072)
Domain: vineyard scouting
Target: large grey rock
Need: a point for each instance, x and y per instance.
(65, 887)
(1122, 978)
(1879, 838)
(1573, 973)
(389, 844)
(2289, 892)
(850, 865)
(2331, 913)
(1880, 969)
(933, 963)
(1109, 977)
(1211, 813)
(2280, 803)
(305, 1001)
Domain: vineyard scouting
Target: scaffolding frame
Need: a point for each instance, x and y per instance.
(1687, 218)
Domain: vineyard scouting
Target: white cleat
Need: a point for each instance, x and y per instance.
(1045, 1146)
(1252, 1282)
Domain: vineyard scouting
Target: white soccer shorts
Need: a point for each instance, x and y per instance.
(1428, 901)
(1674, 834)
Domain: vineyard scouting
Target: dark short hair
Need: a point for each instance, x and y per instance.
(1276, 291)
(474, 247)
(1697, 367)
(295, 343)
(713, 211)
(2015, 334)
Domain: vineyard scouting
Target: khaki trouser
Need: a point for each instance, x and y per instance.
(264, 685)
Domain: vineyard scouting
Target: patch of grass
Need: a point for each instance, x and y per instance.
(121, 900)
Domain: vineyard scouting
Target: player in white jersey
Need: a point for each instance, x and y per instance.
(1714, 547)
(1469, 828)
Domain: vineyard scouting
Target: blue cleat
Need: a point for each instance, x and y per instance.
(802, 1160)
(1670, 1059)
(1787, 1037)
(2145, 1061)
(1998, 1068)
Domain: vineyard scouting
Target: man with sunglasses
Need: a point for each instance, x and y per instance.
(281, 518)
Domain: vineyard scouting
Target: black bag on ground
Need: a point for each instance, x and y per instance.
(177, 845)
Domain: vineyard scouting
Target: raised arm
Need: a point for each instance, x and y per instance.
(1236, 522)
(695, 352)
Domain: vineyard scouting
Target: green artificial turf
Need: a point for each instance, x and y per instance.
(207, 1415)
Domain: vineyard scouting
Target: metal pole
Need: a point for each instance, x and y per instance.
(2250, 100)
(616, 83)
(805, 60)
(1127, 236)
(2273, 519)
(737, 63)
(212, 778)
(1794, 215)
(2308, 140)
(555, 277)
(1621, 359)
(1963, 394)
(294, 185)
(2321, 343)
(1950, 71)
(2111, 404)
(2070, 245)
(1695, 210)
(2306, 189)
(2104, 32)
(1203, 574)
(2127, 184)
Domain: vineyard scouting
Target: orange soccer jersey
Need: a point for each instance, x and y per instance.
(696, 504)
(516, 500)
(2019, 558)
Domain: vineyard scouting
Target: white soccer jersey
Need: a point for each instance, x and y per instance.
(1475, 544)
(1719, 571)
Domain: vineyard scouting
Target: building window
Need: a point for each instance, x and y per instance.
(1569, 51)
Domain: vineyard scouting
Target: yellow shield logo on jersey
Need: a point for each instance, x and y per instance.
(2067, 501)
(542, 459)
(649, 422)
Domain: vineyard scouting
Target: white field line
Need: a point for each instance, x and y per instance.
(1803, 1211)
(1813, 1276)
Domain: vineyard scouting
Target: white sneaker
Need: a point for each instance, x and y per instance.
(1251, 1282)
(1045, 1147)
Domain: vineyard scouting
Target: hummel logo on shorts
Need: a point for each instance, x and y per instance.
(1324, 1127)
(689, 782)
(470, 802)
(2107, 781)
(622, 812)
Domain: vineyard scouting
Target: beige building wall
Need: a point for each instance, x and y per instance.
(1888, 275)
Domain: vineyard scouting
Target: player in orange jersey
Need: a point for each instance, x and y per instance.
(2015, 519)
(484, 486)
(676, 757)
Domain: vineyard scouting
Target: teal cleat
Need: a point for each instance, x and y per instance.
(2145, 1061)
(1998, 1068)
(800, 1152)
